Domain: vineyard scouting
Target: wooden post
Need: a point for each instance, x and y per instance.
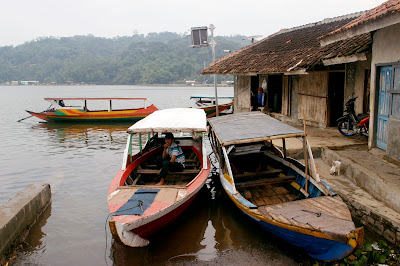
(284, 148)
(305, 155)
(140, 142)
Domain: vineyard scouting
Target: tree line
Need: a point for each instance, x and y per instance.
(155, 58)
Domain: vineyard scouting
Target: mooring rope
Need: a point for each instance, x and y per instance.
(140, 204)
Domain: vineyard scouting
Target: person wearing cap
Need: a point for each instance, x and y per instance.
(260, 97)
(172, 159)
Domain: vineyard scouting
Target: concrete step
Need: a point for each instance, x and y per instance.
(369, 171)
(371, 212)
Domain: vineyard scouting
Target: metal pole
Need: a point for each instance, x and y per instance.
(215, 75)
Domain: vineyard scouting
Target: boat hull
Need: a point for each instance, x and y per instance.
(145, 232)
(211, 110)
(316, 244)
(82, 116)
(136, 231)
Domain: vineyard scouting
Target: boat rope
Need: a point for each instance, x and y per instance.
(48, 109)
(318, 214)
(214, 169)
(140, 204)
(24, 118)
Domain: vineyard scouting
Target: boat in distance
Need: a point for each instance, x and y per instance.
(208, 104)
(285, 197)
(139, 207)
(76, 110)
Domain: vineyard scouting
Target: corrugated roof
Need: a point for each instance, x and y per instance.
(387, 8)
(290, 50)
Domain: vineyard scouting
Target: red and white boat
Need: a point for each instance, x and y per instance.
(139, 207)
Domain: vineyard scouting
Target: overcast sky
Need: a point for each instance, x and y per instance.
(25, 20)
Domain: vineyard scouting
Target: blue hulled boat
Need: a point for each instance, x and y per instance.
(285, 197)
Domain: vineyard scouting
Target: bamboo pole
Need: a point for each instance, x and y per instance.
(305, 155)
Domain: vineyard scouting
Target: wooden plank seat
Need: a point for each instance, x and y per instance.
(265, 181)
(187, 165)
(155, 171)
(260, 173)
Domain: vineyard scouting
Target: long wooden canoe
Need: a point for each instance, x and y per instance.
(77, 111)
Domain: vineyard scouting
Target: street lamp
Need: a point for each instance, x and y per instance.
(199, 39)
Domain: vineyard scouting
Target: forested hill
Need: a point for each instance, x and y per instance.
(157, 58)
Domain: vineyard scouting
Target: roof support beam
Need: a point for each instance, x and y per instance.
(361, 29)
(345, 59)
(301, 71)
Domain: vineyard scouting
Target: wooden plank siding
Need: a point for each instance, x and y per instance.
(242, 92)
(286, 95)
(313, 93)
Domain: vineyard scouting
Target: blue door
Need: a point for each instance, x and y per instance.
(385, 84)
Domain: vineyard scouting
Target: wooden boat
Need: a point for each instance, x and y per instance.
(207, 103)
(76, 110)
(285, 197)
(148, 207)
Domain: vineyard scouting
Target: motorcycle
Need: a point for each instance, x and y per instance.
(351, 124)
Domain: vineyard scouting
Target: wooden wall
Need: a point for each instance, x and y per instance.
(313, 93)
(286, 95)
(242, 87)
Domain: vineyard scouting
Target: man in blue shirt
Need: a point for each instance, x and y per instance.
(172, 158)
(260, 97)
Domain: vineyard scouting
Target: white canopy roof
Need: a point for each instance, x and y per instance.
(172, 120)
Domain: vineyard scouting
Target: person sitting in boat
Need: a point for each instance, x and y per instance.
(172, 159)
(260, 97)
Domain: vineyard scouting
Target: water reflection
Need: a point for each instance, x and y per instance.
(33, 245)
(209, 232)
(92, 136)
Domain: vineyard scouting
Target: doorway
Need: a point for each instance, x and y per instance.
(335, 96)
(275, 83)
(254, 90)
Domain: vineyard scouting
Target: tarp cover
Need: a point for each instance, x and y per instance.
(245, 127)
(172, 120)
(144, 197)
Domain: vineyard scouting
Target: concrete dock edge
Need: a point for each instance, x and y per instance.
(19, 213)
(359, 189)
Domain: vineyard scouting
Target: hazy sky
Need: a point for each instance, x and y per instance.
(25, 20)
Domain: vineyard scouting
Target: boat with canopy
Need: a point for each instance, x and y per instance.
(284, 196)
(78, 110)
(138, 206)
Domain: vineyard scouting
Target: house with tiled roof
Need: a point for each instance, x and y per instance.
(383, 24)
(300, 78)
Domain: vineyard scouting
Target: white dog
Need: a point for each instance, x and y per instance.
(335, 170)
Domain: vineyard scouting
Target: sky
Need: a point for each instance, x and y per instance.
(25, 20)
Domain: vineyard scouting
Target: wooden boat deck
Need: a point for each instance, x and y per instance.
(168, 194)
(324, 213)
(262, 195)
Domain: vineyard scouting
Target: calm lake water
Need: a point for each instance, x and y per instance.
(79, 161)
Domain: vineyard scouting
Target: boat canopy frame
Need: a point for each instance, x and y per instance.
(254, 127)
(58, 103)
(174, 120)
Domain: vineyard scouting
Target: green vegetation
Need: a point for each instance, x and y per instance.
(371, 254)
(157, 58)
